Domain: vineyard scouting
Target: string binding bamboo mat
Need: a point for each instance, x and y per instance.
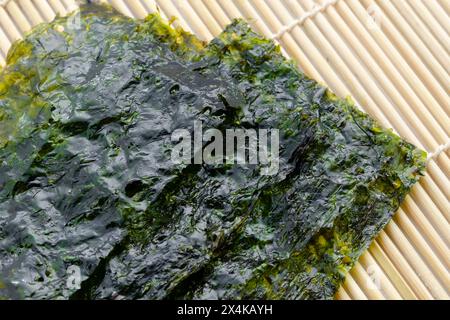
(390, 56)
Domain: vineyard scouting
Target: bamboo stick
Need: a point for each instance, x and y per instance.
(387, 288)
(229, 8)
(353, 290)
(152, 7)
(439, 177)
(436, 195)
(342, 294)
(7, 25)
(250, 13)
(368, 285)
(257, 16)
(136, 8)
(431, 212)
(4, 43)
(58, 7)
(171, 12)
(45, 10)
(208, 19)
(219, 15)
(30, 11)
(432, 24)
(120, 6)
(407, 272)
(438, 14)
(444, 163)
(70, 5)
(434, 239)
(19, 18)
(403, 55)
(394, 274)
(422, 247)
(415, 261)
(192, 19)
(413, 47)
(421, 32)
(444, 5)
(380, 65)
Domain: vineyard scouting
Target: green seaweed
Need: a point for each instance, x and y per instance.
(86, 115)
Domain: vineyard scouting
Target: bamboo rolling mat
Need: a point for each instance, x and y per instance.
(391, 57)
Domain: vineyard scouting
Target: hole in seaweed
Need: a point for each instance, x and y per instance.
(133, 188)
(20, 187)
(45, 149)
(175, 88)
(75, 127)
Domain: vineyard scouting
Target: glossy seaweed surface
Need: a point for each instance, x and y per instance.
(87, 107)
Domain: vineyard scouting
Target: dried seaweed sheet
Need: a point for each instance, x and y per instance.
(86, 115)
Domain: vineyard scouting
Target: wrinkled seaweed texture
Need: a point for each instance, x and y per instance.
(86, 116)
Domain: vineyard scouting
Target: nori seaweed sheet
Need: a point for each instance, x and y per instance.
(86, 116)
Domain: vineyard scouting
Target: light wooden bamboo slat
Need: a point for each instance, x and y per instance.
(396, 68)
